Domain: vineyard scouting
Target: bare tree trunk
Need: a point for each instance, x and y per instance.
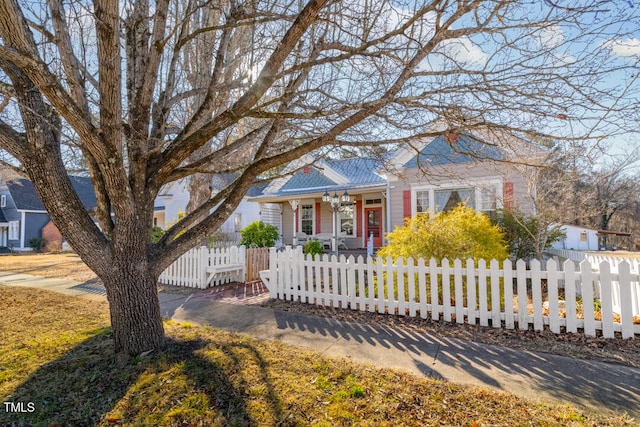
(199, 191)
(136, 319)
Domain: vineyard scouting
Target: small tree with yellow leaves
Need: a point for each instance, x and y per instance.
(459, 233)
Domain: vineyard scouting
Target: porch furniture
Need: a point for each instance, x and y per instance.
(302, 237)
(325, 239)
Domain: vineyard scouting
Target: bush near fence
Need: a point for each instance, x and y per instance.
(536, 297)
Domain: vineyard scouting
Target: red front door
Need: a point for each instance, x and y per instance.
(373, 221)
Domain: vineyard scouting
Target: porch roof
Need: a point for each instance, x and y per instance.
(312, 181)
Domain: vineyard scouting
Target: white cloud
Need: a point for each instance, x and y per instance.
(464, 50)
(630, 47)
(459, 51)
(550, 37)
(448, 53)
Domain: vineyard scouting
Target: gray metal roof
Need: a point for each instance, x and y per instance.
(359, 172)
(465, 149)
(308, 177)
(223, 180)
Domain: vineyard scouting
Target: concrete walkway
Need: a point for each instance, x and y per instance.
(596, 386)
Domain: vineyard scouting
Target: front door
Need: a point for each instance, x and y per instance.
(374, 225)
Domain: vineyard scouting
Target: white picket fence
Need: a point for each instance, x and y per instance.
(613, 261)
(202, 267)
(593, 258)
(475, 294)
(567, 254)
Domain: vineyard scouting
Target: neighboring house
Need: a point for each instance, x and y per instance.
(23, 213)
(173, 200)
(23, 217)
(431, 176)
(577, 238)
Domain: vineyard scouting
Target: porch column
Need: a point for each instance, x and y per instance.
(294, 207)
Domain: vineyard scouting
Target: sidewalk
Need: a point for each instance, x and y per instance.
(597, 386)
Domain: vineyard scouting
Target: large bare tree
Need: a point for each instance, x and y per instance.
(111, 79)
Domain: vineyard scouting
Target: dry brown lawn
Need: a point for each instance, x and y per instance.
(56, 352)
(61, 265)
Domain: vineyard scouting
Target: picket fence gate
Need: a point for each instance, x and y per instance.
(257, 260)
(562, 297)
(193, 269)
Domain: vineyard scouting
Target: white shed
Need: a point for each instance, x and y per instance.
(577, 238)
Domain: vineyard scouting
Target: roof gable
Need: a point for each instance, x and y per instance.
(465, 149)
(85, 191)
(257, 189)
(307, 177)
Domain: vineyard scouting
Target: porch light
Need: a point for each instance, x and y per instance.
(338, 204)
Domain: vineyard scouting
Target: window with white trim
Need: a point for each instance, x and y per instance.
(237, 222)
(422, 201)
(488, 200)
(306, 219)
(3, 201)
(14, 230)
(347, 220)
(482, 197)
(447, 199)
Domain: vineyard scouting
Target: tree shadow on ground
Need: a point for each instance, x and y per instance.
(597, 386)
(207, 381)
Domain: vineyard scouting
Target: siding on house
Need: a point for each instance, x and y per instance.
(35, 222)
(578, 238)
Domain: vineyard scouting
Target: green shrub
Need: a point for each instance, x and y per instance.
(258, 234)
(156, 234)
(313, 247)
(36, 243)
(459, 233)
(526, 236)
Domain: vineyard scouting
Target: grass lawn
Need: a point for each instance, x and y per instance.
(56, 352)
(62, 265)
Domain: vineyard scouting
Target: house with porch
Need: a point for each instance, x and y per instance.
(294, 202)
(376, 195)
